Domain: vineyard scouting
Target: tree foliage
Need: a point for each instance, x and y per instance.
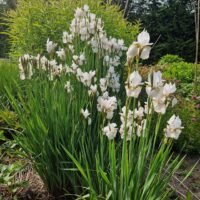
(36, 20)
(5, 5)
(3, 43)
(172, 21)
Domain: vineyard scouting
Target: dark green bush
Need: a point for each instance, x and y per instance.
(169, 58)
(36, 20)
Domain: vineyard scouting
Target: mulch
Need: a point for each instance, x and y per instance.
(37, 191)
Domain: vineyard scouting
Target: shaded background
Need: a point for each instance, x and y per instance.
(171, 22)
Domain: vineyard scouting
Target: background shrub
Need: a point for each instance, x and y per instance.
(8, 73)
(187, 107)
(175, 68)
(182, 71)
(189, 140)
(36, 20)
(3, 38)
(8, 119)
(169, 58)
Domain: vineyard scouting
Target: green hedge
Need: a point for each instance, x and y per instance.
(36, 20)
(174, 68)
(181, 71)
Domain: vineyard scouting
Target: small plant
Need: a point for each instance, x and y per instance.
(84, 128)
(9, 168)
(7, 177)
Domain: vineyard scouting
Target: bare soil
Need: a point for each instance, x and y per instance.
(37, 191)
(191, 186)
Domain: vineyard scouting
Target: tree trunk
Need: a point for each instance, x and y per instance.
(126, 8)
(197, 18)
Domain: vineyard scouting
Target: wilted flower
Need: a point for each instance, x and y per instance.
(79, 13)
(94, 44)
(57, 69)
(21, 70)
(174, 128)
(159, 104)
(25, 66)
(85, 77)
(53, 63)
(61, 54)
(67, 38)
(103, 84)
(92, 16)
(86, 8)
(121, 45)
(22, 76)
(147, 108)
(133, 86)
(174, 102)
(68, 69)
(110, 131)
(44, 62)
(50, 46)
(81, 59)
(126, 118)
(114, 82)
(141, 128)
(129, 119)
(30, 71)
(139, 113)
(68, 87)
(71, 48)
(25, 58)
(74, 68)
(129, 133)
